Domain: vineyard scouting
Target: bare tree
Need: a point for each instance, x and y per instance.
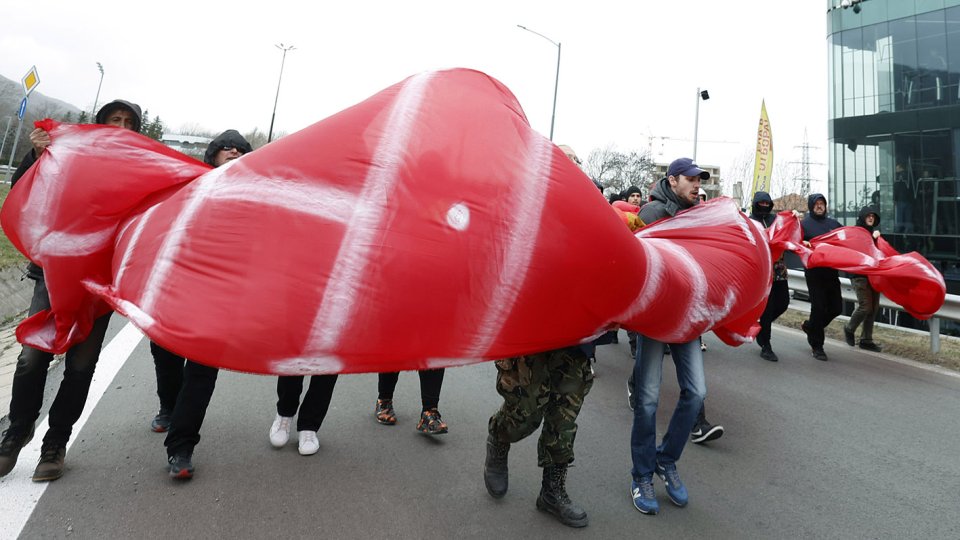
(195, 130)
(740, 171)
(616, 171)
(786, 180)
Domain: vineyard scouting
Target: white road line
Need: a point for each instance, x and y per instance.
(19, 495)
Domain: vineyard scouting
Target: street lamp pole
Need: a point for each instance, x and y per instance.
(93, 114)
(704, 95)
(556, 82)
(280, 78)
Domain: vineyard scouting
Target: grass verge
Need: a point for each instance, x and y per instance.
(9, 255)
(895, 342)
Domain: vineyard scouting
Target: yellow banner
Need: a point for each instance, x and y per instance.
(763, 164)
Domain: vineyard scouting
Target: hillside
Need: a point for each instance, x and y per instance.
(40, 106)
(11, 92)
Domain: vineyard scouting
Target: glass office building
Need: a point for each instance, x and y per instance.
(894, 122)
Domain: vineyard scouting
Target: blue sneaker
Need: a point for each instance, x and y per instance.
(675, 488)
(644, 498)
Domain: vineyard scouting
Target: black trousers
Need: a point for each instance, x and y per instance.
(776, 304)
(431, 380)
(169, 369)
(826, 302)
(190, 397)
(30, 378)
(315, 404)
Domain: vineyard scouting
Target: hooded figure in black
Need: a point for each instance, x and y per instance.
(779, 298)
(823, 284)
(184, 386)
(230, 139)
(868, 299)
(30, 376)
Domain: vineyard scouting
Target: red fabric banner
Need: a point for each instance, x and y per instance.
(428, 226)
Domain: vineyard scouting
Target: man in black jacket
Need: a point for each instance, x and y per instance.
(762, 213)
(30, 376)
(823, 284)
(183, 386)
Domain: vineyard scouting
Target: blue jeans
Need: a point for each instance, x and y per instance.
(647, 375)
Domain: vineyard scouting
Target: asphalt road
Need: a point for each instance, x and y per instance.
(858, 447)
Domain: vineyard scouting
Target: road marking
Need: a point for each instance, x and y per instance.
(19, 495)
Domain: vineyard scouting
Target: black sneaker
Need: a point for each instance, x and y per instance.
(849, 336)
(181, 468)
(767, 354)
(161, 422)
(705, 432)
(870, 346)
(820, 355)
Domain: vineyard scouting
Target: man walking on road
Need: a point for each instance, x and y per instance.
(779, 297)
(546, 387)
(823, 284)
(184, 386)
(679, 190)
(30, 376)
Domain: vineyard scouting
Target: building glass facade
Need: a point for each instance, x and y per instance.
(894, 122)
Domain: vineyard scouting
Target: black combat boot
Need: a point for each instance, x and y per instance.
(554, 499)
(10, 447)
(495, 468)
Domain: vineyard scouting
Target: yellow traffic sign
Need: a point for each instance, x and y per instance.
(30, 81)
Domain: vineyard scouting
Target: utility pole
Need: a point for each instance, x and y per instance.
(280, 78)
(805, 165)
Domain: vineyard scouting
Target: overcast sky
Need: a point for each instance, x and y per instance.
(629, 70)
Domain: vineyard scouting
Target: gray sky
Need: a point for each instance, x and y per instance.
(629, 70)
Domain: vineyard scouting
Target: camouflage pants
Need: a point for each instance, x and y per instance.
(547, 387)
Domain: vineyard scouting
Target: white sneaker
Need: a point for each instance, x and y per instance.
(308, 443)
(280, 431)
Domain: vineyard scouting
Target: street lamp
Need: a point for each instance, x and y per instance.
(93, 115)
(282, 60)
(704, 95)
(556, 82)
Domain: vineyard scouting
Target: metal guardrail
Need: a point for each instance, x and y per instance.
(950, 310)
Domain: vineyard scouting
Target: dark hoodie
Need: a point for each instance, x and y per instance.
(34, 271)
(862, 222)
(230, 138)
(862, 218)
(763, 215)
(663, 203)
(766, 217)
(134, 109)
(101, 118)
(814, 225)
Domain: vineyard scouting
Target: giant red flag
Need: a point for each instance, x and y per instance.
(427, 226)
